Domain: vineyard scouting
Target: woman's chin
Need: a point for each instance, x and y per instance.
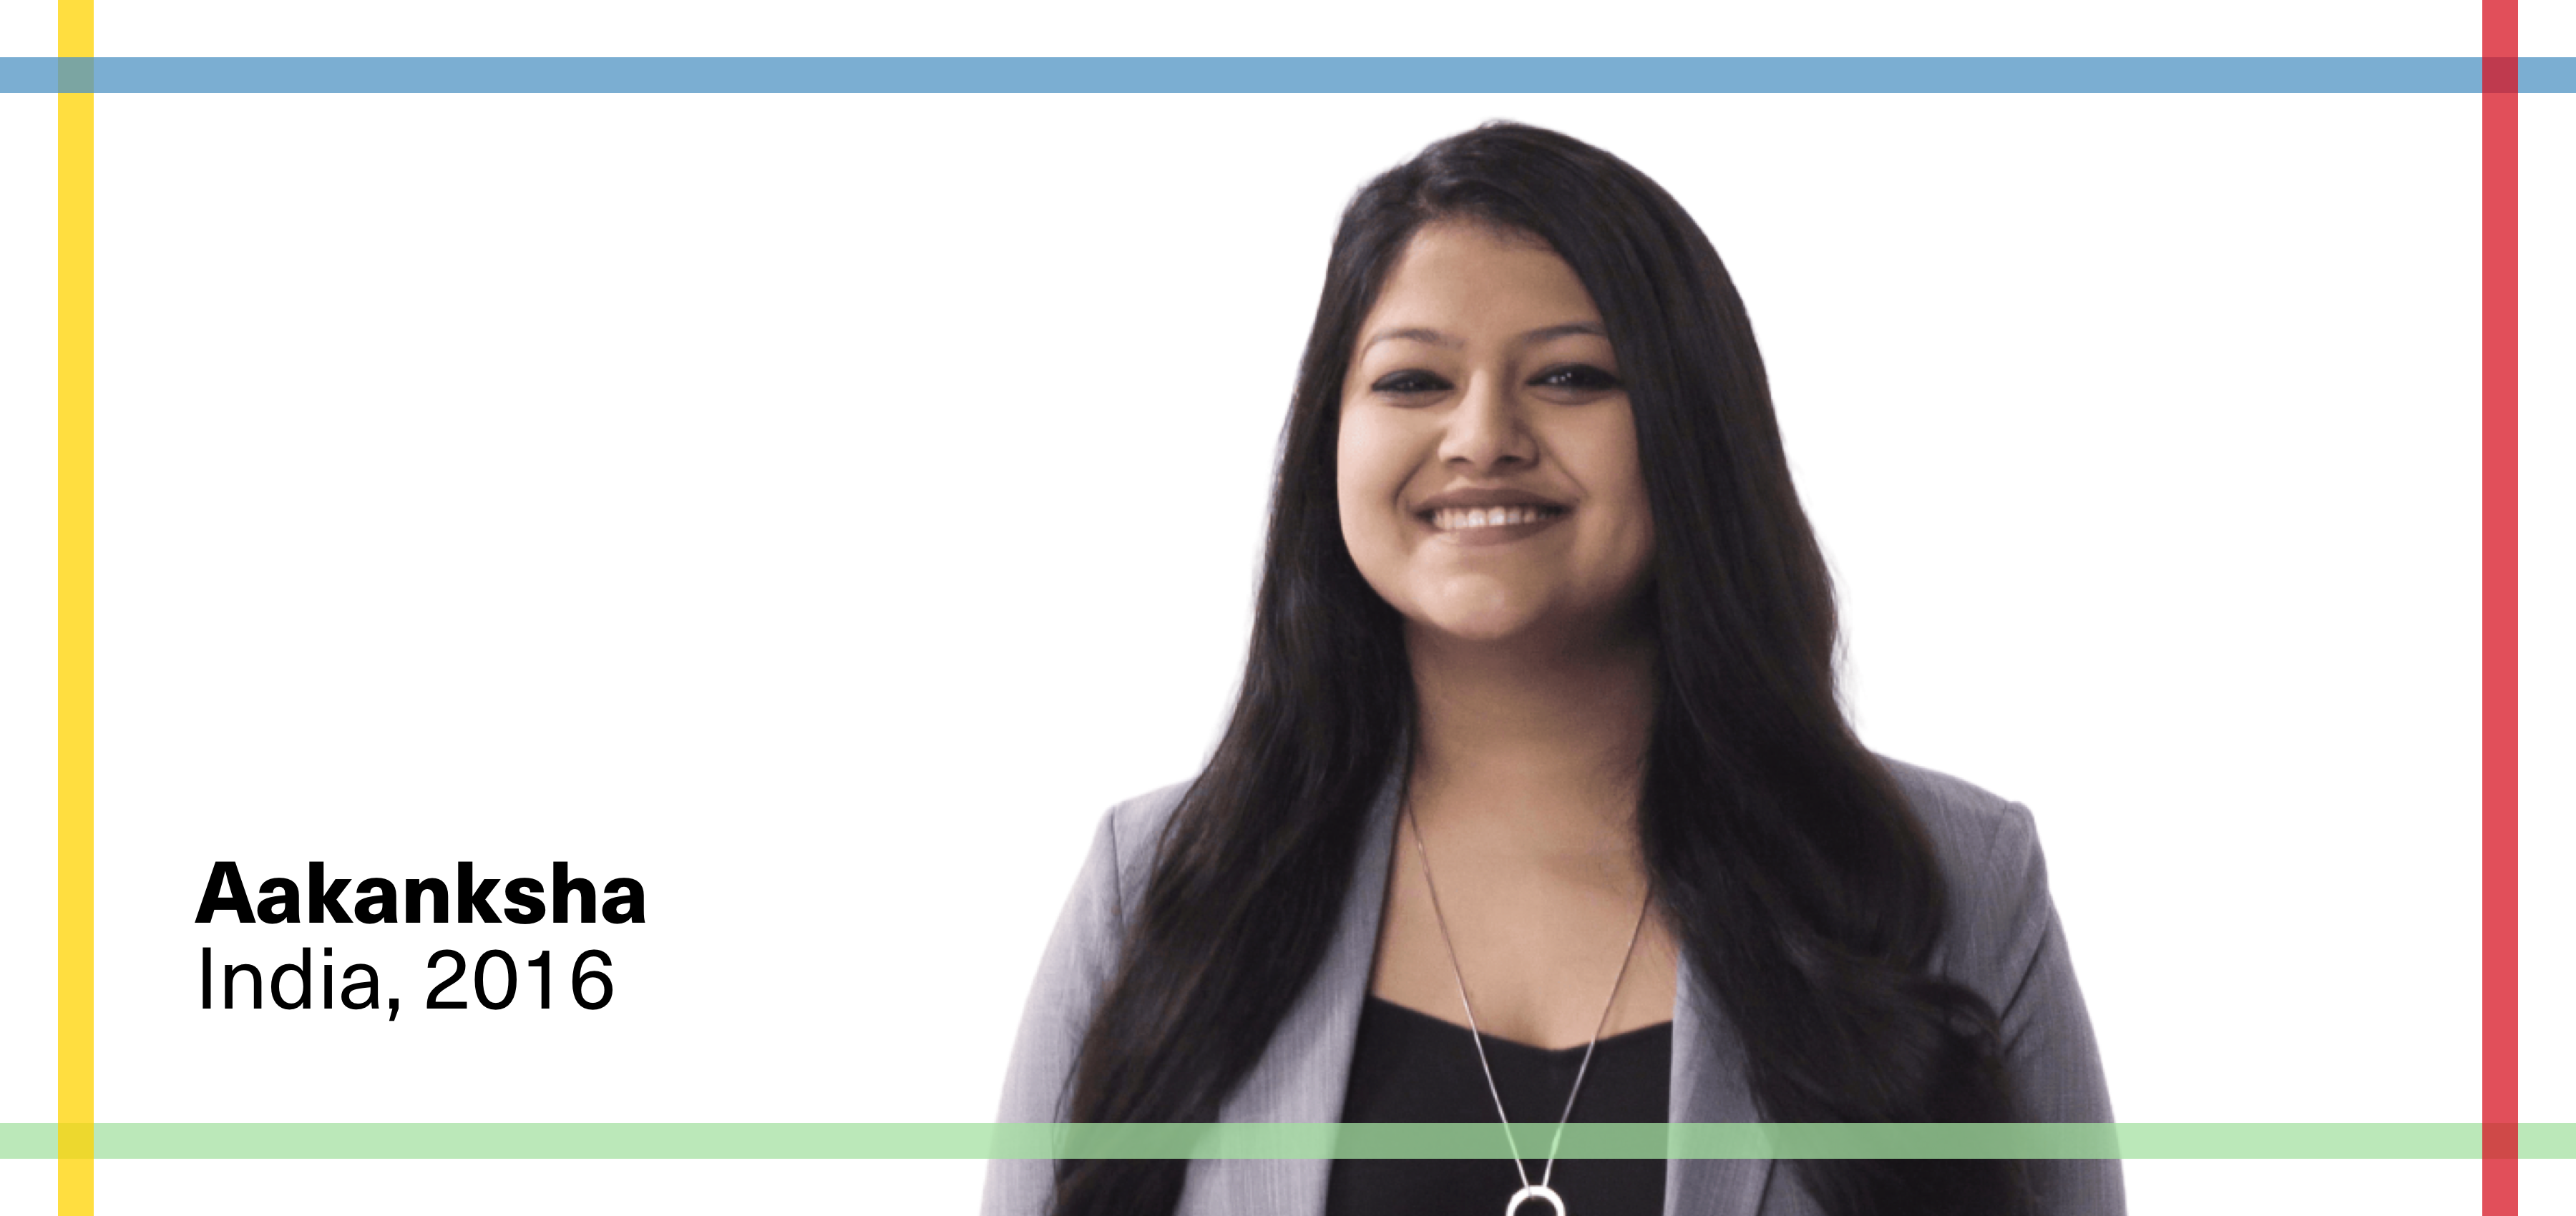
(1483, 624)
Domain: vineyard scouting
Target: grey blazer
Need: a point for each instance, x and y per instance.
(2002, 941)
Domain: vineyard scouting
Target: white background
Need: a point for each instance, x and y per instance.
(2548, 572)
(1330, 27)
(822, 507)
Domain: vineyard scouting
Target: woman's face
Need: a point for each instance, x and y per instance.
(1488, 474)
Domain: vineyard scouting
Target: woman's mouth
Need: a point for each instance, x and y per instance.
(1459, 519)
(1490, 525)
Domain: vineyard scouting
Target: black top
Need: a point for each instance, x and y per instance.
(1411, 1067)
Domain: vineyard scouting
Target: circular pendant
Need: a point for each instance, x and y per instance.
(1530, 1192)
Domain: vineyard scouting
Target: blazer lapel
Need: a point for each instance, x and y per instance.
(1709, 1086)
(1305, 1072)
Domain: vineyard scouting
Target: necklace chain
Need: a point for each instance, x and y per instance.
(1549, 1171)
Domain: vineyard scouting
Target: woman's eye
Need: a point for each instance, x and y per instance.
(1407, 382)
(1580, 376)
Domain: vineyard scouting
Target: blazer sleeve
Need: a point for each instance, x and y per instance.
(2018, 960)
(1077, 964)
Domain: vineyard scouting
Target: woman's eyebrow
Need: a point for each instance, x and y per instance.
(1431, 337)
(1553, 332)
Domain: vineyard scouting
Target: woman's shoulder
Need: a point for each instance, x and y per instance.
(1965, 822)
(1128, 833)
(1987, 847)
(2002, 940)
(1144, 815)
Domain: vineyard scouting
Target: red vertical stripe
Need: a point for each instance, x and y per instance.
(2499, 87)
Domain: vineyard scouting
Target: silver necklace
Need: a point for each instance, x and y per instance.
(1539, 1190)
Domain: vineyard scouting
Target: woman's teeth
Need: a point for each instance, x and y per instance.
(1452, 519)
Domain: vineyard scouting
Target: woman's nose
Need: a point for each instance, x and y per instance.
(1486, 429)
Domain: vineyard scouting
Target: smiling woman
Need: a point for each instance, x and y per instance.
(1536, 804)
(1484, 410)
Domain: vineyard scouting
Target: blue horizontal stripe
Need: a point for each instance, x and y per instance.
(2552, 75)
(1270, 75)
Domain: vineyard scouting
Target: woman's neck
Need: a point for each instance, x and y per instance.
(1543, 745)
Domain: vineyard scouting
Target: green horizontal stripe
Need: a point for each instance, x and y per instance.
(1285, 1141)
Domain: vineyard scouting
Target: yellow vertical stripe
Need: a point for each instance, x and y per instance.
(72, 25)
(75, 1095)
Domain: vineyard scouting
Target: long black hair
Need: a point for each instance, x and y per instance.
(1802, 887)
